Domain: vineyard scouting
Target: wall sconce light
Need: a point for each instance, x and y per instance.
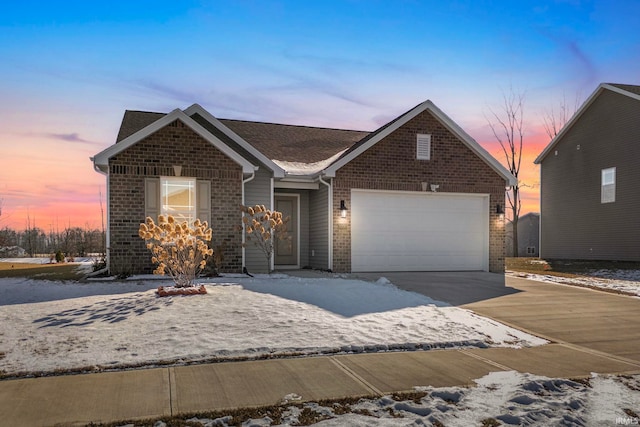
(499, 210)
(177, 170)
(343, 209)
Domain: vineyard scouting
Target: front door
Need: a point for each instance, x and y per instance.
(286, 251)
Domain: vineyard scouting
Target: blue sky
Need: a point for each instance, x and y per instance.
(70, 69)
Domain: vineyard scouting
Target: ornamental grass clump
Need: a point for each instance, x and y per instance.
(177, 249)
(262, 227)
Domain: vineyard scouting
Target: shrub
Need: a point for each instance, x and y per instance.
(59, 256)
(262, 226)
(177, 248)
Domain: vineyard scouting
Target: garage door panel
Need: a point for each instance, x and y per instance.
(404, 231)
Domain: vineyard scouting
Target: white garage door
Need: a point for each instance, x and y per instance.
(410, 231)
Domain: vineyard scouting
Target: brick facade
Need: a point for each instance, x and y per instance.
(391, 164)
(153, 157)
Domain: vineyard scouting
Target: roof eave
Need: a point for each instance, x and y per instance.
(101, 160)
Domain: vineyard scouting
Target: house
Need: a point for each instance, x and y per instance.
(590, 203)
(528, 236)
(416, 194)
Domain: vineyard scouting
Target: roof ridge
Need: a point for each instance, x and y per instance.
(291, 125)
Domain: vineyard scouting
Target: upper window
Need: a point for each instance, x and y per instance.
(608, 186)
(178, 198)
(423, 147)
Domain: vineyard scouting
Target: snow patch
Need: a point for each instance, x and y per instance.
(48, 325)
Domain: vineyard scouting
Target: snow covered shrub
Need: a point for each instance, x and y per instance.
(178, 249)
(262, 227)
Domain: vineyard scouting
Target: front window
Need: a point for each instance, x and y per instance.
(608, 187)
(178, 196)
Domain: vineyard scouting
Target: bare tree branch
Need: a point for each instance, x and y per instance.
(508, 129)
(554, 120)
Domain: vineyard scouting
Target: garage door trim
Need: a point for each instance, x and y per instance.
(478, 215)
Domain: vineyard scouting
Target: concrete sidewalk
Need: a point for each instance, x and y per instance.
(579, 321)
(151, 393)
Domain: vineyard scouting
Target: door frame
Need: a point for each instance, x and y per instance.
(297, 265)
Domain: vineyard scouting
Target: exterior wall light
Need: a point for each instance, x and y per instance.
(499, 210)
(343, 209)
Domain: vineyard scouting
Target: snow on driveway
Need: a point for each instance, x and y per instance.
(54, 325)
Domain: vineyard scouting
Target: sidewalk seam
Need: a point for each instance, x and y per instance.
(172, 389)
(485, 360)
(355, 376)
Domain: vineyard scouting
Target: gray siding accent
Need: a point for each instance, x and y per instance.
(319, 228)
(574, 223)
(528, 236)
(257, 192)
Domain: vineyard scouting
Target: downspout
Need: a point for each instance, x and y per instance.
(244, 182)
(272, 263)
(107, 242)
(330, 219)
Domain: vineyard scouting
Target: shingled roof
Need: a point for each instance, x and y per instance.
(289, 143)
(294, 143)
(629, 88)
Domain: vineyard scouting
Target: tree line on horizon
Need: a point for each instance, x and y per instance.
(71, 242)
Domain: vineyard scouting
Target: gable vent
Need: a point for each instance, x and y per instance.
(423, 147)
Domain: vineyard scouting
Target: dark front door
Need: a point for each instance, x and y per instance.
(286, 251)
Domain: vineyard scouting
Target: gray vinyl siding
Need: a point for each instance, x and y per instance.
(304, 223)
(574, 223)
(319, 228)
(257, 192)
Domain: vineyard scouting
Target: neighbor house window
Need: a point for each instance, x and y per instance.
(423, 147)
(608, 187)
(531, 250)
(178, 198)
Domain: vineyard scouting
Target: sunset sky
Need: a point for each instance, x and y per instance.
(69, 69)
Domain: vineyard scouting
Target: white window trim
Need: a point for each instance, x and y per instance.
(608, 189)
(194, 205)
(423, 146)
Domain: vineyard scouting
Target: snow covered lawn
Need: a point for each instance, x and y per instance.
(46, 326)
(621, 281)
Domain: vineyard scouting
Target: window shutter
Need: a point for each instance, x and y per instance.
(423, 147)
(203, 204)
(152, 198)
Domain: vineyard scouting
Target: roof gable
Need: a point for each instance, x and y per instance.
(101, 160)
(630, 91)
(398, 122)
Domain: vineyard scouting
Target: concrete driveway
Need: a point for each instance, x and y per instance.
(455, 288)
(588, 320)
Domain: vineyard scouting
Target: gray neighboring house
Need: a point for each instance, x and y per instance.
(416, 194)
(589, 173)
(528, 236)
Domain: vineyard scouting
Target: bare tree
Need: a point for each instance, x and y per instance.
(507, 127)
(555, 119)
